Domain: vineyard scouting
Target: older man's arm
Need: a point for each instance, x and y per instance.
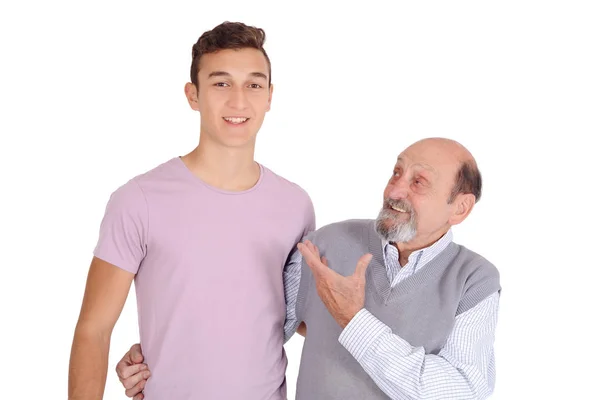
(464, 368)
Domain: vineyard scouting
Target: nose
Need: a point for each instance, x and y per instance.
(398, 189)
(237, 99)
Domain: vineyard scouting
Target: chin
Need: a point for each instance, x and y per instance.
(391, 230)
(238, 141)
(236, 138)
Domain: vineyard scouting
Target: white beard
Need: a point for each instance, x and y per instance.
(394, 231)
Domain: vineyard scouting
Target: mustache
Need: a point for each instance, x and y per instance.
(403, 204)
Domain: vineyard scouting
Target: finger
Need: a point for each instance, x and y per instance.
(361, 266)
(121, 365)
(136, 355)
(133, 380)
(139, 396)
(136, 389)
(315, 250)
(311, 259)
(312, 247)
(327, 270)
(127, 371)
(307, 252)
(307, 247)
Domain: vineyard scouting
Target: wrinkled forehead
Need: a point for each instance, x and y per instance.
(431, 159)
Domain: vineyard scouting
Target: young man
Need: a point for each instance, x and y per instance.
(416, 317)
(205, 236)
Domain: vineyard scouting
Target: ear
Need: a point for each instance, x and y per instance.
(270, 98)
(463, 204)
(191, 93)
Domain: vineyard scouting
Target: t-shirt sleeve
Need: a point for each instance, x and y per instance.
(310, 219)
(124, 228)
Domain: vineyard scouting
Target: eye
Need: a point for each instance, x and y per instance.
(221, 84)
(419, 181)
(255, 86)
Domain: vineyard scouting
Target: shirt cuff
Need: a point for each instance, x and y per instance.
(361, 333)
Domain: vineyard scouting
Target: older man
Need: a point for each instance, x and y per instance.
(415, 318)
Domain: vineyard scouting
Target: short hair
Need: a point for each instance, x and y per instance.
(467, 181)
(228, 35)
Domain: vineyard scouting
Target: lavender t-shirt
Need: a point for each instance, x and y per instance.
(209, 287)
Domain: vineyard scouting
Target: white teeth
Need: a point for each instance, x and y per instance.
(398, 209)
(236, 120)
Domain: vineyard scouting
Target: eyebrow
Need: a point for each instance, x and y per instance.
(227, 74)
(424, 166)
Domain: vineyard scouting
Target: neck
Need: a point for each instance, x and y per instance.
(418, 243)
(226, 168)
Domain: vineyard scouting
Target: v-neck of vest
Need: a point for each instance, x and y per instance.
(377, 273)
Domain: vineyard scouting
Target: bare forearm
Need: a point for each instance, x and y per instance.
(105, 294)
(88, 366)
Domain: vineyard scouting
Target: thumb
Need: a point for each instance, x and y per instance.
(135, 354)
(363, 263)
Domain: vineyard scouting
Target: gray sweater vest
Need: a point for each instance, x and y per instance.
(421, 309)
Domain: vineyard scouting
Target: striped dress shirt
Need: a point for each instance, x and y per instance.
(463, 369)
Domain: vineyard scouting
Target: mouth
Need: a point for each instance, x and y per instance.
(236, 120)
(398, 209)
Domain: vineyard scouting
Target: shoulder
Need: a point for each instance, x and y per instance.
(480, 278)
(349, 229)
(127, 196)
(168, 171)
(291, 194)
(132, 192)
(475, 264)
(285, 186)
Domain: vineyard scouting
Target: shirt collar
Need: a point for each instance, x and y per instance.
(426, 253)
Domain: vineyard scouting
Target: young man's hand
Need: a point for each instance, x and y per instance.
(133, 373)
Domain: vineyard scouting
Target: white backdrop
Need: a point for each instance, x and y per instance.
(91, 94)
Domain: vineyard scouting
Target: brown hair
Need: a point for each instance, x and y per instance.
(228, 35)
(468, 180)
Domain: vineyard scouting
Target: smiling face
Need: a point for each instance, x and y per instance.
(232, 96)
(416, 199)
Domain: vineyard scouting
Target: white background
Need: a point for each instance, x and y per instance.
(92, 94)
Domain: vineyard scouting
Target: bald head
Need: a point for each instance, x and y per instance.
(443, 147)
(450, 156)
